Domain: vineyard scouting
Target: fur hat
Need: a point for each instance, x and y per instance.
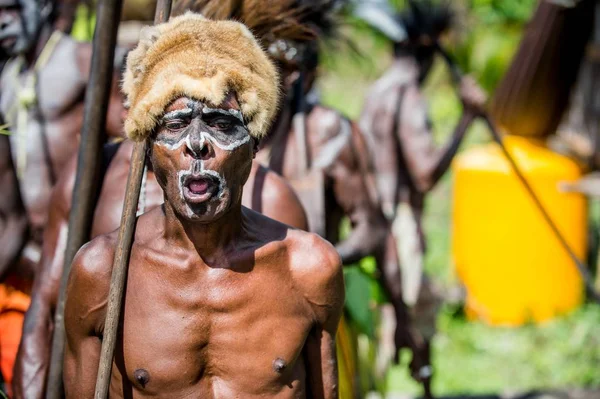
(203, 59)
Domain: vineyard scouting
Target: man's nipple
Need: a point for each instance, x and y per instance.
(279, 365)
(142, 377)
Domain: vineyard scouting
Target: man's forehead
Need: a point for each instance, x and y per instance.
(229, 103)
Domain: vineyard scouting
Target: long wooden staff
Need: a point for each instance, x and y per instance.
(123, 250)
(87, 178)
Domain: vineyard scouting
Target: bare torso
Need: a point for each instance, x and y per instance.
(396, 124)
(244, 324)
(214, 341)
(48, 137)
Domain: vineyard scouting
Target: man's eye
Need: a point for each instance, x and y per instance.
(220, 124)
(175, 125)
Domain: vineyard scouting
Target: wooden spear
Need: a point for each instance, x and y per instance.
(87, 178)
(123, 250)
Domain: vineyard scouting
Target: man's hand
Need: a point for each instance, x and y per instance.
(472, 95)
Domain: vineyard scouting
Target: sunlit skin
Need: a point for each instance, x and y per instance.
(220, 300)
(277, 201)
(54, 118)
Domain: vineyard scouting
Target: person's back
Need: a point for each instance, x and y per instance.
(333, 152)
(395, 112)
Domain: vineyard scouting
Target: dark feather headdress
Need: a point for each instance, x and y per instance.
(426, 20)
(285, 27)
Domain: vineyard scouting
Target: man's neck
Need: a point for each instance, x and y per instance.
(32, 55)
(209, 240)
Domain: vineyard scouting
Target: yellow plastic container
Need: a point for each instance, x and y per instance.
(512, 266)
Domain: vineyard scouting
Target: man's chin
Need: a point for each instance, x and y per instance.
(203, 212)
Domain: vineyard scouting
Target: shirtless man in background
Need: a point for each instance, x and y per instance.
(407, 160)
(42, 88)
(220, 301)
(264, 192)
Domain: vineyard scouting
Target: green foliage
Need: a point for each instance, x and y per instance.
(83, 27)
(561, 353)
(502, 11)
(360, 304)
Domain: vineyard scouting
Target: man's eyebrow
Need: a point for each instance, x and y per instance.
(178, 113)
(226, 112)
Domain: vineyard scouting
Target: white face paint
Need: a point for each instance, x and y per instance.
(190, 133)
(204, 137)
(197, 170)
(229, 139)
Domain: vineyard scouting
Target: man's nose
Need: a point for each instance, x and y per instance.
(5, 20)
(199, 146)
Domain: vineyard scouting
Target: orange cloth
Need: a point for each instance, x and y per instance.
(13, 305)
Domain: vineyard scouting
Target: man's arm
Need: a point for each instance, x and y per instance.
(319, 277)
(426, 162)
(13, 218)
(32, 362)
(85, 312)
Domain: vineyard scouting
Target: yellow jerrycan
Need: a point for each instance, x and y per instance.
(512, 266)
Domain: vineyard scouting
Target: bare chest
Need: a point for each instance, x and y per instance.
(220, 334)
(43, 110)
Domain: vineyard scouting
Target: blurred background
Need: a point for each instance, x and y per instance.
(469, 357)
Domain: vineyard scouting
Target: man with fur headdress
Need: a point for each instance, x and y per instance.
(264, 192)
(220, 301)
(396, 125)
(319, 151)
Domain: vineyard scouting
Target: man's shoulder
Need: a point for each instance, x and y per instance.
(330, 135)
(315, 266)
(94, 260)
(280, 201)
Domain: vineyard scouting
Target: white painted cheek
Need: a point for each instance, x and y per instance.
(173, 147)
(229, 147)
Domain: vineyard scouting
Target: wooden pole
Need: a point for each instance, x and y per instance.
(86, 181)
(123, 250)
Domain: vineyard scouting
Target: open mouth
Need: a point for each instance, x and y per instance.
(199, 189)
(8, 42)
